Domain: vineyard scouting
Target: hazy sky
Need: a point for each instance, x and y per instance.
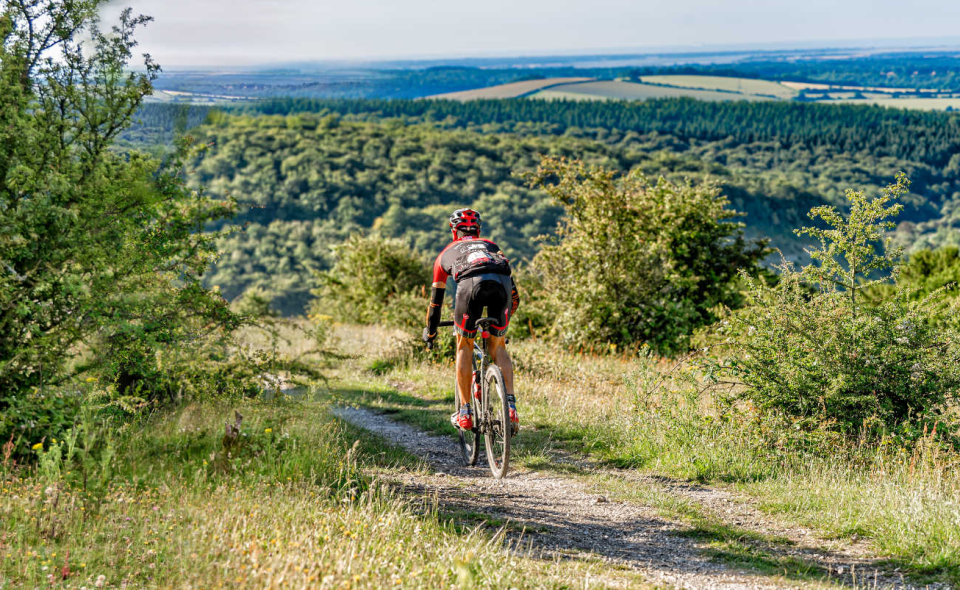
(203, 32)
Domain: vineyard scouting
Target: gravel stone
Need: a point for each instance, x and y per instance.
(555, 516)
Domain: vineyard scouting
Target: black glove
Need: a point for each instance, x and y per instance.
(428, 338)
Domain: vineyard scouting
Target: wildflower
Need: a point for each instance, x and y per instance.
(268, 430)
(37, 446)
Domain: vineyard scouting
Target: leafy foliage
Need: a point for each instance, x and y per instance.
(836, 128)
(319, 174)
(928, 273)
(101, 254)
(308, 182)
(638, 261)
(375, 280)
(929, 270)
(836, 360)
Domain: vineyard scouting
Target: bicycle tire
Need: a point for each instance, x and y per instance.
(469, 439)
(498, 432)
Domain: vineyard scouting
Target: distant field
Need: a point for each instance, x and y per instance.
(708, 88)
(191, 97)
(815, 86)
(740, 85)
(923, 104)
(511, 90)
(615, 89)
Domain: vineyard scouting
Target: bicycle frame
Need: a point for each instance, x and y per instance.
(478, 365)
(487, 420)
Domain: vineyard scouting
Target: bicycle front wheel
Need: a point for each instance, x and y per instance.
(497, 414)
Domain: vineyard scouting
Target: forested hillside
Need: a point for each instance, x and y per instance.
(927, 137)
(310, 178)
(308, 181)
(794, 147)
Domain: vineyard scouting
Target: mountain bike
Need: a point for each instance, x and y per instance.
(491, 415)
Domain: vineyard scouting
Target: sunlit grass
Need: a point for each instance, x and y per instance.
(632, 412)
(292, 508)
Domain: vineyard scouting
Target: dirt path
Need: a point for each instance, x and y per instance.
(561, 516)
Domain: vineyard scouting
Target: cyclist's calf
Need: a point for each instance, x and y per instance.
(464, 357)
(498, 353)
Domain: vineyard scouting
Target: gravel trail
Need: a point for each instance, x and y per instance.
(561, 516)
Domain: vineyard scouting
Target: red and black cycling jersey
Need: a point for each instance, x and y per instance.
(467, 257)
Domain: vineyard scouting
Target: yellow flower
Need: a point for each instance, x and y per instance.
(91, 379)
(37, 446)
(268, 430)
(54, 440)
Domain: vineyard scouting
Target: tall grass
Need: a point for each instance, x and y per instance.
(635, 411)
(290, 506)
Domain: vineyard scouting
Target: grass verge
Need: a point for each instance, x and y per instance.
(290, 504)
(637, 413)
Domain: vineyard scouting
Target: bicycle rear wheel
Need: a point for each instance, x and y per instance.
(469, 439)
(497, 414)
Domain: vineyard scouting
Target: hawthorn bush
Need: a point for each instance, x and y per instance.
(374, 280)
(814, 350)
(638, 261)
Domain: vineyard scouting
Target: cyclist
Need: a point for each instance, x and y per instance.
(482, 274)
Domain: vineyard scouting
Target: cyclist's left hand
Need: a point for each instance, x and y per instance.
(428, 338)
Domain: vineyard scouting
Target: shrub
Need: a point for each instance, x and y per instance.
(31, 418)
(534, 316)
(638, 261)
(834, 359)
(925, 272)
(375, 280)
(101, 253)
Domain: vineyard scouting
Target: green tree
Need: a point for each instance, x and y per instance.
(638, 261)
(375, 280)
(837, 360)
(101, 254)
(924, 272)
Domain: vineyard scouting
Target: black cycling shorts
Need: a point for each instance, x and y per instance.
(473, 294)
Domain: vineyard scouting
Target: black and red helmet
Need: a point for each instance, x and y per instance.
(465, 219)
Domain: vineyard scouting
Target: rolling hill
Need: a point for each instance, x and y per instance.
(510, 90)
(622, 90)
(749, 86)
(708, 88)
